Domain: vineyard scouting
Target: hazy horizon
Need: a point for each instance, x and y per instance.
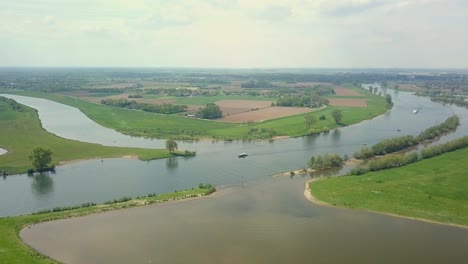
(235, 34)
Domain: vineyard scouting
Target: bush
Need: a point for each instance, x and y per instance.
(448, 125)
(359, 170)
(446, 147)
(393, 145)
(326, 161)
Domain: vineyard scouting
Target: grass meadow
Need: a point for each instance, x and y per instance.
(433, 189)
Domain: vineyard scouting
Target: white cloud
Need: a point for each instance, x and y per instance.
(230, 33)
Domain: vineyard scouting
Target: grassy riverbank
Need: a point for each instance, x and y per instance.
(21, 131)
(13, 250)
(434, 189)
(138, 123)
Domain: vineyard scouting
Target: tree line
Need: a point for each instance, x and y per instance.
(301, 101)
(161, 109)
(391, 145)
(397, 160)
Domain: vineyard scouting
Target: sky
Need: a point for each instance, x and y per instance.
(235, 33)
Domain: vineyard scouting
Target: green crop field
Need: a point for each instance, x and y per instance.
(21, 131)
(433, 189)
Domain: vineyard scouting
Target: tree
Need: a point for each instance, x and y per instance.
(171, 145)
(388, 99)
(337, 115)
(211, 111)
(310, 120)
(41, 158)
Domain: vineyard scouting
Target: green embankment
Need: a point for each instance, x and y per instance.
(21, 131)
(13, 250)
(139, 123)
(433, 189)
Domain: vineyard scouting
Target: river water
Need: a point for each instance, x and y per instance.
(255, 218)
(216, 163)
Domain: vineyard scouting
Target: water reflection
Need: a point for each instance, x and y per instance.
(42, 183)
(336, 134)
(311, 140)
(172, 163)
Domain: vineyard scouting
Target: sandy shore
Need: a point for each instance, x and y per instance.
(311, 198)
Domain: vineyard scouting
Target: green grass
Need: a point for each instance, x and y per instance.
(435, 189)
(139, 123)
(13, 250)
(21, 131)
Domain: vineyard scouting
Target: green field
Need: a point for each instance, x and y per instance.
(21, 131)
(435, 189)
(13, 250)
(139, 123)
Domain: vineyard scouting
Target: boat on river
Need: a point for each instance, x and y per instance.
(242, 155)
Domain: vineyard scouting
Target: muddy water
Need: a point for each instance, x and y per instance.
(266, 222)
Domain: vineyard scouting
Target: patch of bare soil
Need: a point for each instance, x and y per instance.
(265, 114)
(348, 102)
(341, 91)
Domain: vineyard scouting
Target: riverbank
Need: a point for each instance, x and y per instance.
(432, 190)
(22, 131)
(13, 250)
(303, 171)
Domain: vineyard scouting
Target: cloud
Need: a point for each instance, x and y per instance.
(273, 13)
(342, 8)
(49, 20)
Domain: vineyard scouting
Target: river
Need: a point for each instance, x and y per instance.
(216, 163)
(255, 218)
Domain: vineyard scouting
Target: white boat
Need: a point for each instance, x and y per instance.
(242, 155)
(415, 111)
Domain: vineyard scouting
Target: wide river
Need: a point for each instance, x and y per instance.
(256, 218)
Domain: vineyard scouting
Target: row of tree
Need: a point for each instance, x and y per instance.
(301, 101)
(452, 145)
(397, 160)
(257, 84)
(433, 132)
(161, 108)
(400, 143)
